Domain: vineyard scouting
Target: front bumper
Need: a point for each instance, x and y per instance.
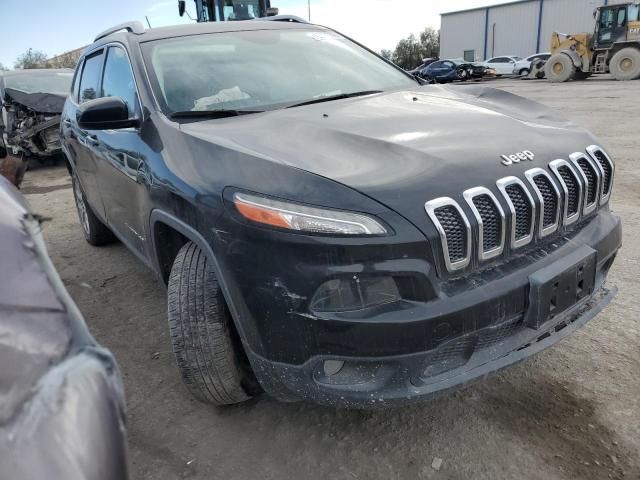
(398, 380)
(467, 327)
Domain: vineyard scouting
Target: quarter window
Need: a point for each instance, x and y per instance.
(117, 80)
(89, 83)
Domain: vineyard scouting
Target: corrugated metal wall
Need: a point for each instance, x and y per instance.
(513, 29)
(462, 32)
(516, 27)
(566, 16)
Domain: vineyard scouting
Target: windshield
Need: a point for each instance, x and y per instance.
(41, 82)
(241, 10)
(262, 69)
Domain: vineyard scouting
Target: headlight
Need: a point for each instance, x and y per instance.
(304, 219)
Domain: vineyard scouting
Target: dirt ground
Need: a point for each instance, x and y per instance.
(572, 411)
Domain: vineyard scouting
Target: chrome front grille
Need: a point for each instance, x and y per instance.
(522, 207)
(571, 186)
(537, 208)
(491, 221)
(548, 198)
(607, 169)
(591, 178)
(454, 230)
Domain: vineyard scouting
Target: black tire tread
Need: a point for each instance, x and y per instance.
(567, 74)
(632, 53)
(199, 324)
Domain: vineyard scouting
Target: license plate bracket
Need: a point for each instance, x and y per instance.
(558, 287)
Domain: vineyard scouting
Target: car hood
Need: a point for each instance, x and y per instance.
(403, 148)
(38, 102)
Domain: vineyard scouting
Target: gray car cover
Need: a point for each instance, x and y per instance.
(61, 395)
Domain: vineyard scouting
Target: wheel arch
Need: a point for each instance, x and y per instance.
(163, 223)
(621, 45)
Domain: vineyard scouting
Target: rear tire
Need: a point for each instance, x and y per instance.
(524, 72)
(559, 68)
(95, 232)
(208, 354)
(625, 65)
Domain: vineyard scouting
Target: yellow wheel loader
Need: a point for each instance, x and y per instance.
(614, 47)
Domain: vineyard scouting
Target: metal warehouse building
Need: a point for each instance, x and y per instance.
(517, 28)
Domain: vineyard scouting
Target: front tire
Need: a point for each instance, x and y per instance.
(524, 72)
(625, 65)
(559, 68)
(95, 232)
(208, 354)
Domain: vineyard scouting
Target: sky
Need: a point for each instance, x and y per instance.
(58, 26)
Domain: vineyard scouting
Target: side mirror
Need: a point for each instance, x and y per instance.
(181, 7)
(419, 79)
(104, 114)
(272, 12)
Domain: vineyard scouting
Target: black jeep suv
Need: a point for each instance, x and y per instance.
(329, 229)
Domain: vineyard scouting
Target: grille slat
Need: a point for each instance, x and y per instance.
(592, 177)
(606, 185)
(573, 190)
(491, 222)
(454, 230)
(550, 199)
(607, 169)
(524, 211)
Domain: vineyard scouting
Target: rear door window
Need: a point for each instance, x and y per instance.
(90, 80)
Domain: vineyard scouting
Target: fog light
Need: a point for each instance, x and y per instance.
(355, 293)
(331, 367)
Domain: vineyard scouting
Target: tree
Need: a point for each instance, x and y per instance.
(31, 59)
(386, 54)
(65, 60)
(2, 67)
(410, 51)
(430, 43)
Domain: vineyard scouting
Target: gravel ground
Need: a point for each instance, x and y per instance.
(572, 411)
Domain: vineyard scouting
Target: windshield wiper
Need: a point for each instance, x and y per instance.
(339, 96)
(212, 113)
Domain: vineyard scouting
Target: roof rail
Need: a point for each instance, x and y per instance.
(133, 27)
(284, 18)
